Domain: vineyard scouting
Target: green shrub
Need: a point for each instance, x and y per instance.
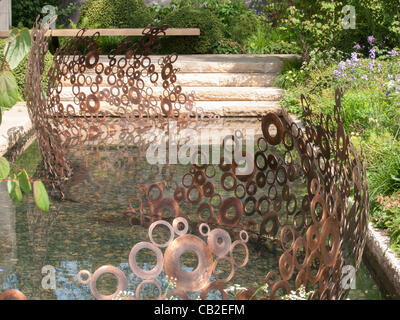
(267, 40)
(20, 71)
(383, 164)
(115, 14)
(291, 75)
(229, 47)
(211, 31)
(242, 27)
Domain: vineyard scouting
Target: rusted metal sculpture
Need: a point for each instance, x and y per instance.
(320, 228)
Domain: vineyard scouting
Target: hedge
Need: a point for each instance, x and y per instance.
(211, 31)
(115, 14)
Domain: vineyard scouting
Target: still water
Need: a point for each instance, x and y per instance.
(91, 229)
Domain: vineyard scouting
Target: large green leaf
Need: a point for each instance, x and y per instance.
(24, 183)
(20, 43)
(14, 191)
(8, 90)
(4, 168)
(41, 197)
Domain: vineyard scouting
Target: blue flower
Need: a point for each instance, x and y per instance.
(365, 77)
(342, 65)
(354, 57)
(371, 40)
(372, 54)
(371, 65)
(390, 76)
(357, 47)
(393, 53)
(336, 73)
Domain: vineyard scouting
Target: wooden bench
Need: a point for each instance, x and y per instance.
(111, 32)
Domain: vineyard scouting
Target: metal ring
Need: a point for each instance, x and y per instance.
(122, 282)
(175, 224)
(164, 223)
(141, 273)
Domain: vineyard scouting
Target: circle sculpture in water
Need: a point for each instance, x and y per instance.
(305, 201)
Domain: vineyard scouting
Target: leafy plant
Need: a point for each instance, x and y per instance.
(18, 46)
(291, 74)
(229, 47)
(267, 39)
(20, 184)
(64, 13)
(386, 215)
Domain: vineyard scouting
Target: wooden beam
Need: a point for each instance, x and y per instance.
(111, 32)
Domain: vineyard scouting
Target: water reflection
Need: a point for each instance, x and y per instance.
(95, 227)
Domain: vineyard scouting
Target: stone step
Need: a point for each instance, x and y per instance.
(220, 63)
(207, 93)
(210, 80)
(221, 108)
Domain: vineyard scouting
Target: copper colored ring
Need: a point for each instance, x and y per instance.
(231, 274)
(250, 184)
(253, 210)
(224, 177)
(87, 273)
(96, 107)
(208, 189)
(175, 224)
(167, 203)
(269, 119)
(330, 227)
(164, 223)
(155, 186)
(237, 195)
(261, 179)
(202, 207)
(244, 234)
(201, 226)
(286, 265)
(144, 282)
(122, 282)
(226, 204)
(200, 194)
(219, 249)
(282, 237)
(141, 273)
(194, 280)
(262, 155)
(233, 246)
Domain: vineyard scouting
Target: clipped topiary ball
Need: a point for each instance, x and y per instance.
(211, 31)
(115, 14)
